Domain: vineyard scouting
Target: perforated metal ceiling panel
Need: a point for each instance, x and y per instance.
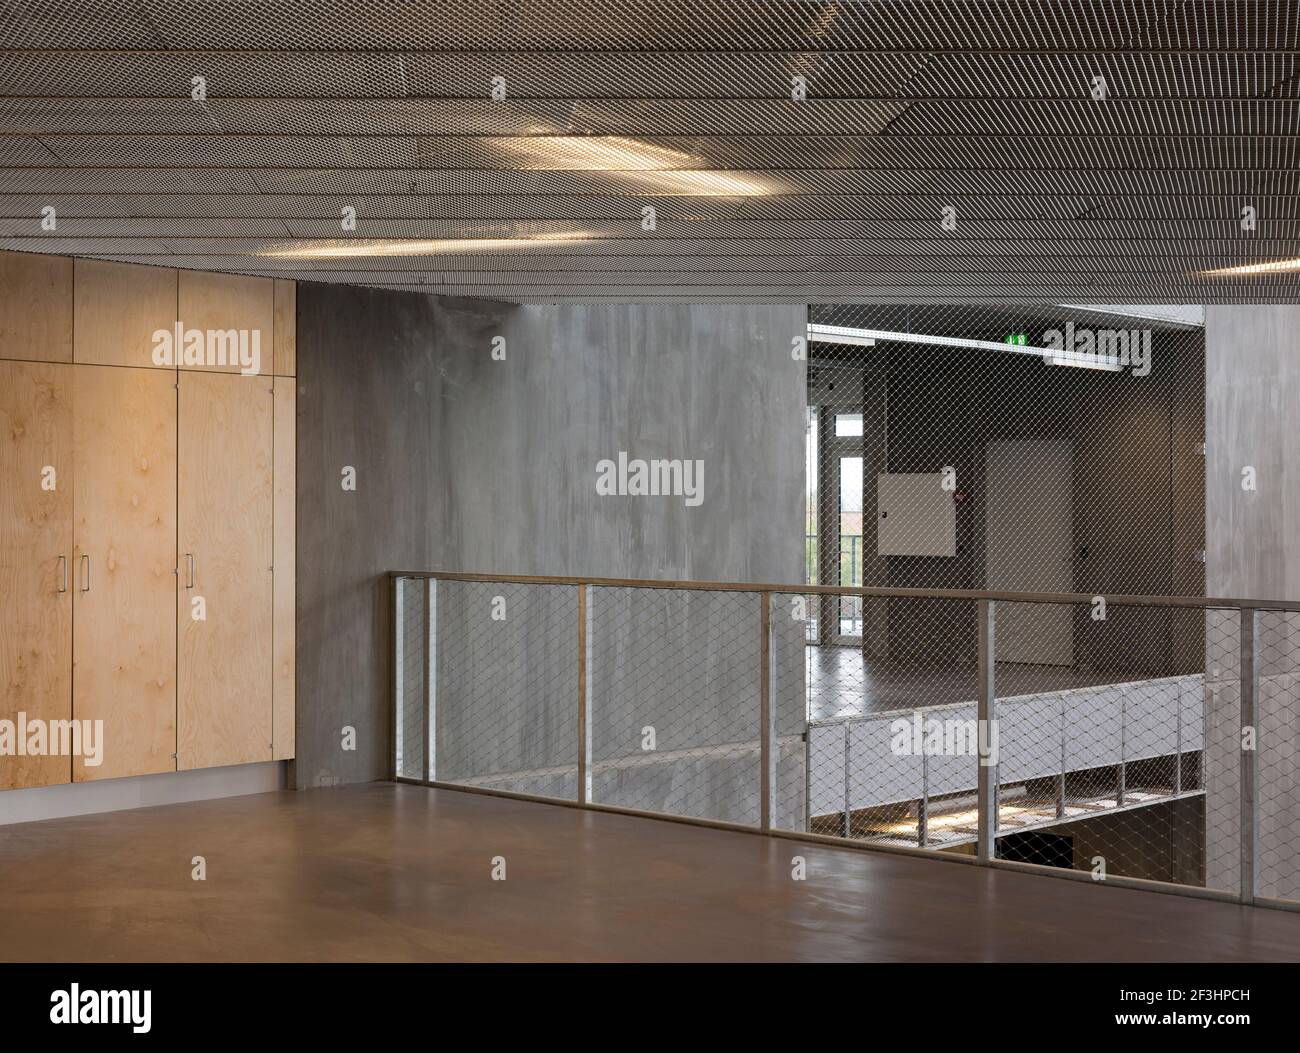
(798, 151)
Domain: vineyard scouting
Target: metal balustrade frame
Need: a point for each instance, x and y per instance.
(764, 680)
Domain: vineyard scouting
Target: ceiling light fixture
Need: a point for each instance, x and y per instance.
(838, 334)
(1274, 267)
(437, 247)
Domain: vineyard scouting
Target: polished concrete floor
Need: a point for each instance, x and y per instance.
(842, 682)
(385, 872)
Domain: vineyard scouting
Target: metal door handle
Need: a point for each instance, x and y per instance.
(85, 573)
(189, 583)
(63, 573)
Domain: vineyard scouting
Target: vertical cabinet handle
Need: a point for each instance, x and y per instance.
(85, 573)
(63, 573)
(189, 573)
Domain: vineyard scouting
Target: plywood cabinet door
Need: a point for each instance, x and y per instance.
(285, 534)
(35, 307)
(117, 310)
(35, 550)
(123, 567)
(236, 315)
(224, 553)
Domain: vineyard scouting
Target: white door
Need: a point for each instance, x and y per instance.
(1028, 547)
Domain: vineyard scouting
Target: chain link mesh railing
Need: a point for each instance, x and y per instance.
(411, 663)
(1168, 755)
(1277, 842)
(673, 696)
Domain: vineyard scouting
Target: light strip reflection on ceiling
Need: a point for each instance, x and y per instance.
(351, 249)
(1274, 267)
(837, 334)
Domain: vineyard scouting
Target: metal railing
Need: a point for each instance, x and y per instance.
(1146, 741)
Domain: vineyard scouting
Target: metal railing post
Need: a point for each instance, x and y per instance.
(395, 678)
(430, 717)
(1121, 771)
(923, 804)
(848, 809)
(988, 777)
(765, 710)
(584, 715)
(1249, 771)
(1060, 779)
(1178, 745)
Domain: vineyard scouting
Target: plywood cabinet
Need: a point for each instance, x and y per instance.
(226, 308)
(224, 550)
(129, 489)
(123, 567)
(117, 309)
(35, 548)
(286, 328)
(284, 631)
(35, 307)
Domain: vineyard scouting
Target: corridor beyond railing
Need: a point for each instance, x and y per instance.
(1130, 739)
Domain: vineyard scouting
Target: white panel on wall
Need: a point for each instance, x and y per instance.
(915, 516)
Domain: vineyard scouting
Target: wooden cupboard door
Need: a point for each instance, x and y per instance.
(123, 570)
(286, 327)
(35, 307)
(284, 575)
(224, 551)
(238, 310)
(35, 551)
(117, 309)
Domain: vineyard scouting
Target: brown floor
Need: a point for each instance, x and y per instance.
(403, 873)
(843, 683)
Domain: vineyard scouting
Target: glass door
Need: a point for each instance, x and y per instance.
(849, 527)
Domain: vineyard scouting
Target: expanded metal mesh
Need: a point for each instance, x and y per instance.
(796, 152)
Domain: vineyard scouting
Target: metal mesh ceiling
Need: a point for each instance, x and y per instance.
(987, 109)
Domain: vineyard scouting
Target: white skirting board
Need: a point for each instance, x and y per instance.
(141, 791)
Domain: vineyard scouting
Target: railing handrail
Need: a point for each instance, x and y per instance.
(1112, 599)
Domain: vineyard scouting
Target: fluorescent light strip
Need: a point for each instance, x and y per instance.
(438, 247)
(835, 334)
(1275, 267)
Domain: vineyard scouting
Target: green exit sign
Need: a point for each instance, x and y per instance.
(1020, 339)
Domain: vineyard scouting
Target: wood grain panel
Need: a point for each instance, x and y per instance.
(35, 307)
(286, 328)
(117, 307)
(124, 635)
(225, 302)
(285, 533)
(35, 547)
(225, 508)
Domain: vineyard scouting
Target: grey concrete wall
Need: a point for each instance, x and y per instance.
(1253, 551)
(466, 462)
(367, 378)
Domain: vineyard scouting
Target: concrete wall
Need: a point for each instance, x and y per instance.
(367, 381)
(468, 462)
(1253, 551)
